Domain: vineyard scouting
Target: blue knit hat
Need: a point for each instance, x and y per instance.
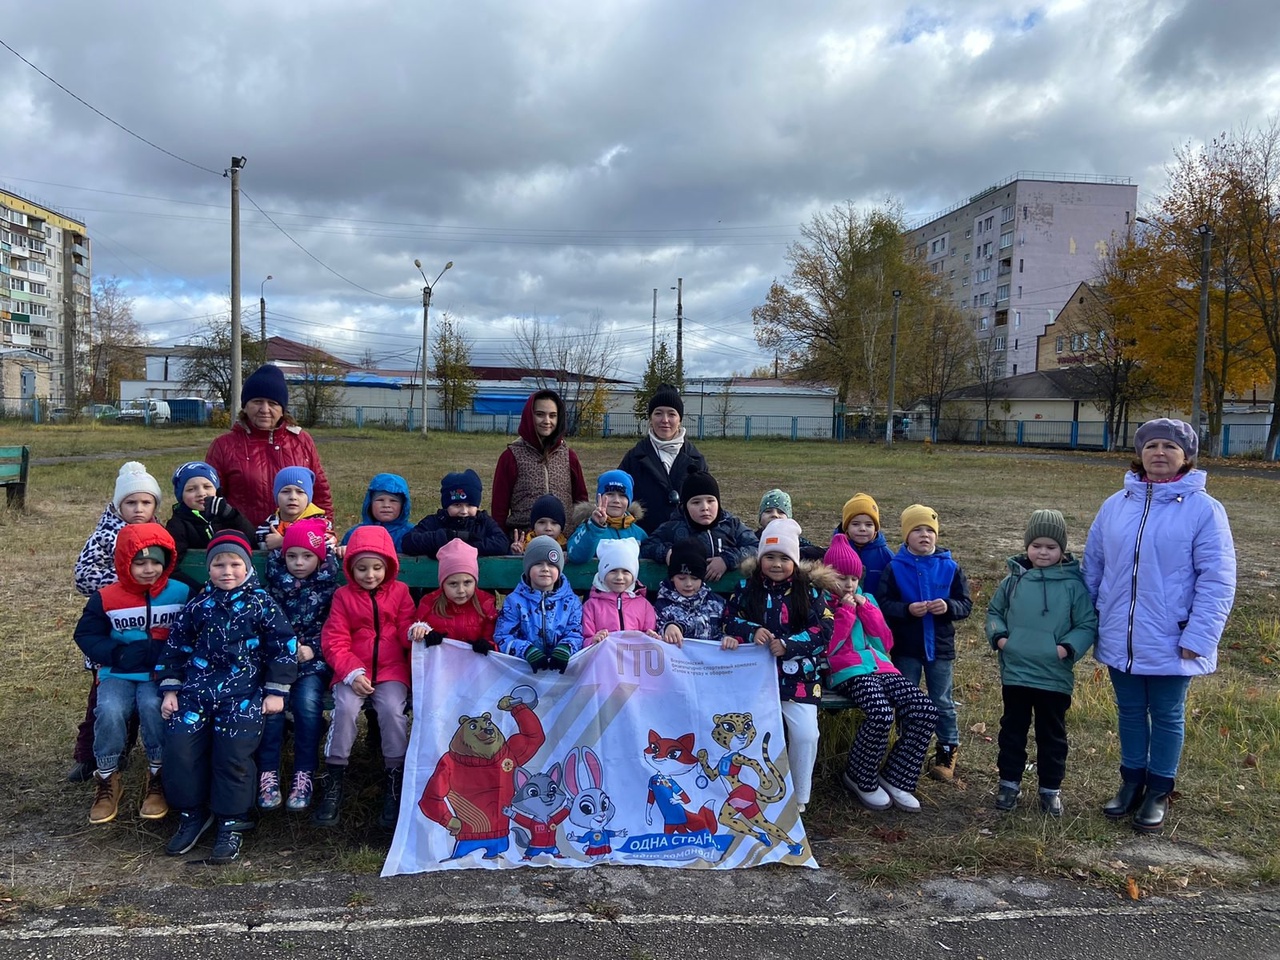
(618, 481)
(464, 487)
(295, 477)
(193, 468)
(266, 383)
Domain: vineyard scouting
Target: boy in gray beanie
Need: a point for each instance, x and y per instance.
(541, 620)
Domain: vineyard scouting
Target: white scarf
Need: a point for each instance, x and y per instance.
(668, 450)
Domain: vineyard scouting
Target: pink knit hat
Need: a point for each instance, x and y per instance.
(842, 558)
(308, 534)
(458, 556)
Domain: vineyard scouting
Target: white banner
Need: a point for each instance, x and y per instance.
(641, 753)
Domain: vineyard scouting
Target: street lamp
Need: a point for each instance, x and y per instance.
(262, 315)
(427, 287)
(893, 367)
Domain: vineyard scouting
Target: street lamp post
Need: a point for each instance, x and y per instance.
(893, 367)
(1202, 324)
(262, 315)
(427, 287)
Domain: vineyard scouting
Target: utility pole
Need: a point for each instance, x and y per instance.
(262, 316)
(237, 371)
(426, 308)
(1202, 325)
(680, 332)
(893, 367)
(653, 337)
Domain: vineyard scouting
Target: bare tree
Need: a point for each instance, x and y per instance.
(206, 367)
(569, 363)
(456, 381)
(941, 360)
(723, 408)
(987, 370)
(116, 342)
(316, 392)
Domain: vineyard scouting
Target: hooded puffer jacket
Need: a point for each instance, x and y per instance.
(587, 534)
(860, 640)
(394, 484)
(1160, 565)
(530, 467)
(1038, 608)
(368, 630)
(248, 459)
(124, 625)
(606, 610)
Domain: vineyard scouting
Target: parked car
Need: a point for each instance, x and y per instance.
(140, 411)
(100, 411)
(60, 414)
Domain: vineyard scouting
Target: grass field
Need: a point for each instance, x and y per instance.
(1222, 828)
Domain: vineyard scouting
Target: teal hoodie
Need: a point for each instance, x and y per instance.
(1038, 609)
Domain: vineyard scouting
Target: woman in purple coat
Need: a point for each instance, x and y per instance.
(1160, 565)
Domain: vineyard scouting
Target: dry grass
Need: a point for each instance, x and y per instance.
(1229, 788)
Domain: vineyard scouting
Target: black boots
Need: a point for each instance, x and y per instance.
(329, 810)
(1150, 816)
(391, 799)
(1127, 799)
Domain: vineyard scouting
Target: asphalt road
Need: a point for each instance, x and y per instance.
(636, 913)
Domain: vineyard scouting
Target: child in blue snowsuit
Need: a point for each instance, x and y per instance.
(230, 658)
(541, 620)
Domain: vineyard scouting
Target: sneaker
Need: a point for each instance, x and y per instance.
(106, 797)
(902, 799)
(944, 762)
(299, 792)
(191, 827)
(875, 799)
(227, 844)
(1007, 797)
(154, 805)
(1051, 803)
(80, 772)
(269, 790)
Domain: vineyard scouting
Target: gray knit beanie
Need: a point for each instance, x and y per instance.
(1047, 523)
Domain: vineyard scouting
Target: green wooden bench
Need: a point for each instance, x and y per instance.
(502, 574)
(14, 464)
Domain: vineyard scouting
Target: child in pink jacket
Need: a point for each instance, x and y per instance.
(617, 600)
(862, 671)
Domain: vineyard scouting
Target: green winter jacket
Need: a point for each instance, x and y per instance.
(1038, 609)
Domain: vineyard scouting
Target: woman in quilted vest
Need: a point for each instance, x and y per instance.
(539, 462)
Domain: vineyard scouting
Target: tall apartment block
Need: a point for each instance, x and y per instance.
(1011, 255)
(45, 294)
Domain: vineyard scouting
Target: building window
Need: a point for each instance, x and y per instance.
(997, 343)
(1019, 291)
(968, 234)
(1015, 369)
(966, 258)
(983, 275)
(1020, 263)
(965, 282)
(982, 324)
(984, 299)
(990, 222)
(1102, 338)
(951, 275)
(1006, 240)
(986, 249)
(1002, 292)
(1017, 314)
(1006, 214)
(1024, 211)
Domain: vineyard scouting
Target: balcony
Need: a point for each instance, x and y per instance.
(79, 250)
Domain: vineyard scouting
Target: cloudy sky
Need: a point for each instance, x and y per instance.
(569, 156)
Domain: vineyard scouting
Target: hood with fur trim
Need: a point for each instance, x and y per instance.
(807, 571)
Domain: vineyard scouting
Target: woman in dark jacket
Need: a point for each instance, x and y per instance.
(262, 442)
(660, 462)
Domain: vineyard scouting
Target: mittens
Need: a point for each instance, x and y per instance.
(536, 658)
(433, 638)
(218, 508)
(481, 647)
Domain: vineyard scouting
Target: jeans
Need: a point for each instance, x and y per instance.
(306, 703)
(116, 701)
(1151, 718)
(937, 679)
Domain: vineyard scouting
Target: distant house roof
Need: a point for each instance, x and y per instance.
(282, 350)
(1071, 383)
(513, 375)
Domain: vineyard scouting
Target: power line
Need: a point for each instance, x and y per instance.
(116, 123)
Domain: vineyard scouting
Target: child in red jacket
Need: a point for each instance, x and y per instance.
(366, 642)
(457, 610)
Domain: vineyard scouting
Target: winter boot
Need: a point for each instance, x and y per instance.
(1149, 817)
(154, 805)
(944, 762)
(80, 772)
(1051, 803)
(391, 799)
(106, 797)
(269, 790)
(1133, 789)
(227, 844)
(1008, 795)
(299, 792)
(329, 810)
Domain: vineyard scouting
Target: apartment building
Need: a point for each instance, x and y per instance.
(45, 293)
(1011, 254)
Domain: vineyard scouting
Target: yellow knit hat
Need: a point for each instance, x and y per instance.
(859, 503)
(918, 515)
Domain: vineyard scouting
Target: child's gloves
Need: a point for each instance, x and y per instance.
(218, 508)
(481, 647)
(433, 638)
(560, 656)
(536, 658)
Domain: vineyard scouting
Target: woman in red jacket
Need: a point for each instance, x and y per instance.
(262, 442)
(538, 463)
(366, 642)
